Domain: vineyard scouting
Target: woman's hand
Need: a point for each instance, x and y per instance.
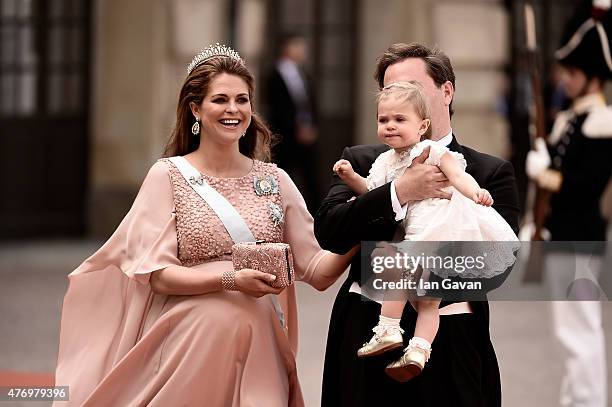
(483, 197)
(255, 283)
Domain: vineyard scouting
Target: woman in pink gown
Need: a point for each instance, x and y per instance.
(147, 319)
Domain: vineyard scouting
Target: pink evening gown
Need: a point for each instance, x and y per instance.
(123, 345)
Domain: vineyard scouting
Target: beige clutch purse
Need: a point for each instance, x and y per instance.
(273, 258)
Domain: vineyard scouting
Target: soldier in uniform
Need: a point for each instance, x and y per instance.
(575, 165)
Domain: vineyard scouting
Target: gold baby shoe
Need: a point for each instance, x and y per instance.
(386, 337)
(409, 365)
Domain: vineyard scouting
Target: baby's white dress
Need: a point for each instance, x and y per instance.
(455, 219)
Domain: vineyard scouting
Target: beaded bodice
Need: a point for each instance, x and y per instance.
(201, 235)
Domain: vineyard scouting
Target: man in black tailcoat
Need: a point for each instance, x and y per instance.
(463, 368)
(291, 115)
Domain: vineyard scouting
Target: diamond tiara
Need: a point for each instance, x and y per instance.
(213, 51)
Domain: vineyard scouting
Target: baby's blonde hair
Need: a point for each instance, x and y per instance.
(411, 92)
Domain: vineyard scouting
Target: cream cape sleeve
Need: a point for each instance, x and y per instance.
(298, 232)
(109, 300)
(145, 241)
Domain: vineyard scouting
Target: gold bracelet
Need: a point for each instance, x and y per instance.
(228, 280)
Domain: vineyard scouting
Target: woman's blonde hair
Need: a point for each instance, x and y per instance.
(411, 92)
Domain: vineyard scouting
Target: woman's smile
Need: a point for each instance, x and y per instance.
(230, 124)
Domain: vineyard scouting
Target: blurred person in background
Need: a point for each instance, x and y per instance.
(291, 115)
(159, 316)
(575, 164)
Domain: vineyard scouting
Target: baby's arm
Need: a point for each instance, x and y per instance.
(345, 171)
(464, 182)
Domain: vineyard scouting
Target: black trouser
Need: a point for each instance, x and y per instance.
(462, 371)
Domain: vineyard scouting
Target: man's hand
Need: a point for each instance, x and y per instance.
(421, 181)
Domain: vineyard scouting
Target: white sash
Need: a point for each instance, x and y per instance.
(231, 219)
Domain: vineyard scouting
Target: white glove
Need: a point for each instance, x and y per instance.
(602, 4)
(538, 160)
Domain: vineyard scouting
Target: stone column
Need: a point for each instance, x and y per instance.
(141, 50)
(379, 27)
(473, 33)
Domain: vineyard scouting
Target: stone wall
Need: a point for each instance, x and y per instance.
(473, 33)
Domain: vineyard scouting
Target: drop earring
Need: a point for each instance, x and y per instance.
(243, 134)
(195, 129)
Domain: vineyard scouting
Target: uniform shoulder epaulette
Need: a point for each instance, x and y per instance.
(598, 123)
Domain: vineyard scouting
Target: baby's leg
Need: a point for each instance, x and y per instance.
(417, 353)
(387, 333)
(393, 300)
(428, 319)
(393, 308)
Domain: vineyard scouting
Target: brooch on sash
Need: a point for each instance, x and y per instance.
(266, 185)
(276, 214)
(199, 180)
